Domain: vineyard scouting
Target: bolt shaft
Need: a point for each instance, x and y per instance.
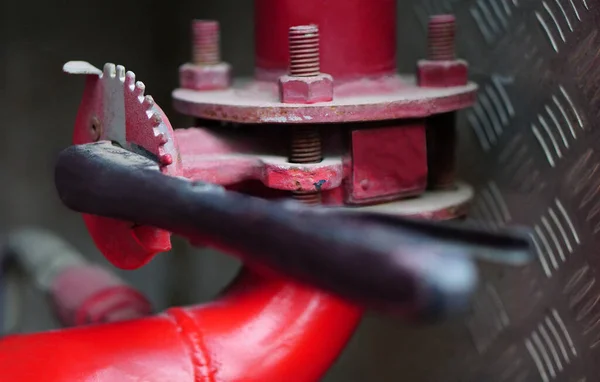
(308, 198)
(206, 41)
(306, 148)
(441, 37)
(306, 140)
(306, 145)
(304, 51)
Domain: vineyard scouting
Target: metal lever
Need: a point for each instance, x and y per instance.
(417, 268)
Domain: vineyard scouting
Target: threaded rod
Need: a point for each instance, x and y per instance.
(304, 51)
(306, 145)
(308, 198)
(306, 148)
(441, 37)
(206, 41)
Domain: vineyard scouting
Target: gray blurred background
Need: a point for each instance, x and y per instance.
(38, 105)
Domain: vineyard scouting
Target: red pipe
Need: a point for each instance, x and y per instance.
(262, 329)
(357, 37)
(90, 294)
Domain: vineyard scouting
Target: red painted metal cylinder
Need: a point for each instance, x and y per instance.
(357, 37)
(263, 328)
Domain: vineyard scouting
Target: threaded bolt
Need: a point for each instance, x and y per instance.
(308, 198)
(306, 148)
(206, 42)
(306, 140)
(441, 37)
(306, 145)
(304, 51)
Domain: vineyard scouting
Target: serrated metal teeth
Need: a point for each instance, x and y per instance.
(110, 70)
(130, 80)
(148, 101)
(120, 72)
(140, 88)
(156, 120)
(162, 139)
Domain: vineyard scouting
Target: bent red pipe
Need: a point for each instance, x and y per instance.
(263, 328)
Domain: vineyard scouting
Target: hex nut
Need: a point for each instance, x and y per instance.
(205, 77)
(306, 90)
(442, 74)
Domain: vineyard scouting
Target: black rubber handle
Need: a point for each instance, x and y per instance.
(418, 268)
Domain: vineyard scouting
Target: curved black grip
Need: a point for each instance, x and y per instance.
(414, 267)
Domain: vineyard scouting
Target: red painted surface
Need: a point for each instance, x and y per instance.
(306, 90)
(387, 162)
(357, 37)
(125, 245)
(250, 103)
(262, 329)
(334, 197)
(215, 158)
(90, 294)
(205, 77)
(442, 74)
(230, 170)
(363, 87)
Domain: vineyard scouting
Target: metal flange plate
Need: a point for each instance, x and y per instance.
(435, 205)
(258, 102)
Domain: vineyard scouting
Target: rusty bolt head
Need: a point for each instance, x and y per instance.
(205, 77)
(306, 90)
(442, 74)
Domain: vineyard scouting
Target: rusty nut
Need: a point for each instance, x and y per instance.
(306, 90)
(442, 74)
(205, 77)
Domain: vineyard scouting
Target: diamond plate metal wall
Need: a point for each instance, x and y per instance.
(530, 145)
